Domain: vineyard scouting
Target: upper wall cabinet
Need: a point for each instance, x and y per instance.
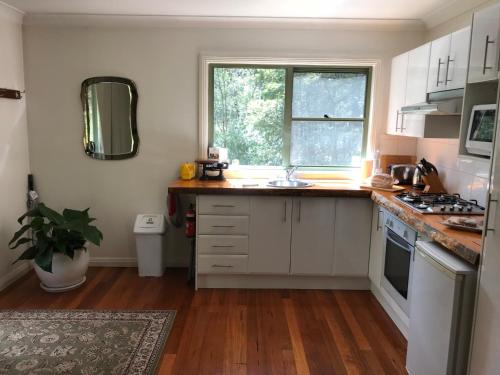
(418, 69)
(397, 96)
(484, 48)
(448, 61)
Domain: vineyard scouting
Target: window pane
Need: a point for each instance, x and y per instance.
(340, 95)
(248, 114)
(326, 143)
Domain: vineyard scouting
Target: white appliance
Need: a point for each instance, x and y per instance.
(485, 355)
(481, 129)
(441, 312)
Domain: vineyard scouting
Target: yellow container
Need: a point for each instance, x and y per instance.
(188, 171)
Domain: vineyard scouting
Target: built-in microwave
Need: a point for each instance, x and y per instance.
(481, 129)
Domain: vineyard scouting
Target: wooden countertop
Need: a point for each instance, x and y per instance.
(321, 188)
(466, 245)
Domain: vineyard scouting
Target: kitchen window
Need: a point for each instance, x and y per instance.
(289, 115)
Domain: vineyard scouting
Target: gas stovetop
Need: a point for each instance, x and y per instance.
(440, 204)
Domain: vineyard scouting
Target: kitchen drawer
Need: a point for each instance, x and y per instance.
(223, 205)
(222, 263)
(214, 224)
(221, 244)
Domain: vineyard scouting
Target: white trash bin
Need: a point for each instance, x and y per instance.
(150, 243)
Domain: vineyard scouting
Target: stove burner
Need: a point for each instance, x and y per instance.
(443, 204)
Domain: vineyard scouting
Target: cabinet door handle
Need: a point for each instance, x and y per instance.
(397, 120)
(299, 211)
(222, 226)
(221, 266)
(223, 205)
(284, 211)
(488, 42)
(448, 61)
(222, 246)
(492, 211)
(378, 220)
(439, 72)
(402, 122)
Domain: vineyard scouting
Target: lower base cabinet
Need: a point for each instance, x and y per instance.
(312, 244)
(301, 236)
(270, 233)
(376, 245)
(352, 237)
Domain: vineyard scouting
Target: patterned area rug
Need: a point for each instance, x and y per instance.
(82, 341)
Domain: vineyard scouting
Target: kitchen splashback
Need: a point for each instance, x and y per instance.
(467, 177)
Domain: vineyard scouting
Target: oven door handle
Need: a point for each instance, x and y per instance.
(404, 246)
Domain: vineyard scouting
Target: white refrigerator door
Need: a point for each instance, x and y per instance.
(486, 338)
(431, 313)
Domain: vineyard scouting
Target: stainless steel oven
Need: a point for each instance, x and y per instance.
(399, 245)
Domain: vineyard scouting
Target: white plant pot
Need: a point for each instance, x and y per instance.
(67, 273)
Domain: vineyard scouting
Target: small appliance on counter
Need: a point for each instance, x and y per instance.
(212, 170)
(402, 173)
(218, 154)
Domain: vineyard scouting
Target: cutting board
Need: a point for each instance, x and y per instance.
(393, 189)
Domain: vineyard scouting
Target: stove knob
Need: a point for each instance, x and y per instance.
(461, 208)
(452, 208)
(443, 208)
(469, 208)
(405, 234)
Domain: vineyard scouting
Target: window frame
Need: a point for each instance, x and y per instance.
(208, 63)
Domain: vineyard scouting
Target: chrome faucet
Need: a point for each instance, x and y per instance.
(290, 171)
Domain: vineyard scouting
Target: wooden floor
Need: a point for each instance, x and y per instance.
(241, 331)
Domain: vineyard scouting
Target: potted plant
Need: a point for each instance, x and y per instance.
(57, 245)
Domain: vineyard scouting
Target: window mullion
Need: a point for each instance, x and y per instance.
(287, 128)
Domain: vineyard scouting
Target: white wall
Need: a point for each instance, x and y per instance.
(14, 161)
(163, 61)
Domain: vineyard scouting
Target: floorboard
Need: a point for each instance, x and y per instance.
(241, 332)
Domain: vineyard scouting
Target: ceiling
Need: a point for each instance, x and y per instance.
(351, 9)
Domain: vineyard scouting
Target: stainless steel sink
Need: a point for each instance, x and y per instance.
(297, 184)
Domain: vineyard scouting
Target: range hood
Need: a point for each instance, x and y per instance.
(439, 103)
(448, 107)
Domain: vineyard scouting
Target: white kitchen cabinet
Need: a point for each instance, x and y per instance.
(440, 49)
(270, 235)
(483, 63)
(448, 61)
(313, 222)
(457, 62)
(352, 237)
(376, 245)
(417, 72)
(397, 96)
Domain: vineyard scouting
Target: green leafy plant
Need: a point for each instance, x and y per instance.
(52, 233)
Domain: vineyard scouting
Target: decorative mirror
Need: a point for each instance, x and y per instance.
(109, 111)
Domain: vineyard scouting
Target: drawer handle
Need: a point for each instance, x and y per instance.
(223, 246)
(222, 226)
(223, 205)
(221, 266)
